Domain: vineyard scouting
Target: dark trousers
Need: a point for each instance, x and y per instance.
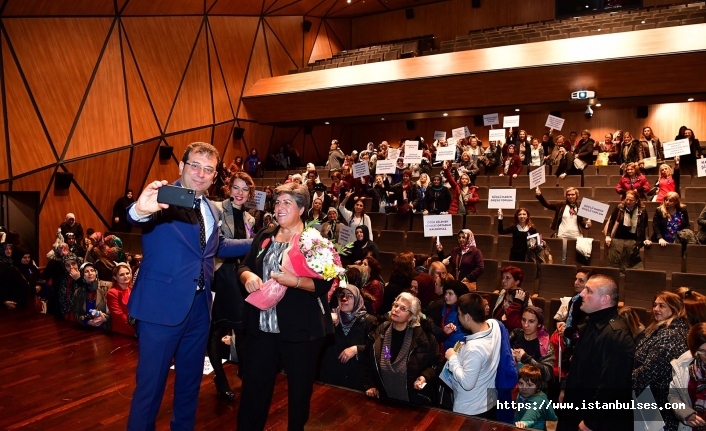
(264, 353)
(157, 345)
(216, 354)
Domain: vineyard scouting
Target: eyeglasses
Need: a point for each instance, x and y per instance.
(198, 168)
(346, 295)
(701, 352)
(237, 189)
(401, 307)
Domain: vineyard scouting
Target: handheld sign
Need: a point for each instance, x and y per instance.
(448, 153)
(393, 154)
(502, 198)
(490, 119)
(361, 170)
(701, 167)
(412, 156)
(555, 123)
(438, 225)
(258, 202)
(511, 121)
(537, 177)
(593, 210)
(439, 135)
(676, 148)
(460, 133)
(345, 234)
(385, 166)
(496, 135)
(451, 142)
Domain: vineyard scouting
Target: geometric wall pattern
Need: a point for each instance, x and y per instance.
(93, 87)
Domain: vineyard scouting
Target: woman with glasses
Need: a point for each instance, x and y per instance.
(227, 310)
(687, 392)
(341, 364)
(402, 356)
(663, 341)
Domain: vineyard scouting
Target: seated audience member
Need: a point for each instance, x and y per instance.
(412, 378)
(104, 253)
(473, 368)
(374, 287)
(464, 195)
(701, 223)
(118, 296)
(668, 181)
(633, 180)
(670, 218)
(28, 269)
(686, 389)
(319, 193)
(422, 262)
(331, 227)
(43, 294)
(90, 307)
(400, 279)
(664, 340)
(694, 304)
(13, 287)
(511, 299)
(565, 164)
(520, 230)
(529, 384)
(423, 288)
(363, 245)
(584, 148)
(344, 351)
(71, 225)
(465, 262)
(627, 230)
(68, 285)
(566, 222)
(453, 331)
(357, 217)
(404, 192)
(530, 343)
(74, 247)
(511, 165)
(316, 213)
(438, 198)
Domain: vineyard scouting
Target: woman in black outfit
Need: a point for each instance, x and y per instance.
(522, 228)
(362, 245)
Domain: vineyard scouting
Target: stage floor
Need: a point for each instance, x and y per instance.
(57, 376)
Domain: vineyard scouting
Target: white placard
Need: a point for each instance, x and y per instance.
(439, 135)
(491, 119)
(438, 225)
(460, 133)
(701, 167)
(537, 177)
(393, 154)
(345, 234)
(555, 123)
(593, 210)
(676, 148)
(361, 170)
(448, 153)
(496, 135)
(412, 156)
(511, 121)
(258, 202)
(502, 198)
(451, 142)
(385, 166)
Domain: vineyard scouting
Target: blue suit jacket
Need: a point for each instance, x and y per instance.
(172, 261)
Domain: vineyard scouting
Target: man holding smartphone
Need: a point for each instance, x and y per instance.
(172, 298)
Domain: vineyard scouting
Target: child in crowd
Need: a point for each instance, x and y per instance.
(534, 408)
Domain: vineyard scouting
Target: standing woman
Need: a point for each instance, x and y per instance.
(696, 150)
(227, 310)
(512, 165)
(669, 219)
(522, 228)
(627, 230)
(566, 222)
(438, 197)
(404, 192)
(363, 245)
(422, 185)
(375, 285)
(530, 343)
(357, 217)
(331, 226)
(632, 179)
(118, 296)
(664, 340)
(252, 163)
(536, 153)
(463, 195)
(668, 180)
(281, 333)
(465, 261)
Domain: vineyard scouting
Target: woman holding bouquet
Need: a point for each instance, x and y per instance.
(293, 330)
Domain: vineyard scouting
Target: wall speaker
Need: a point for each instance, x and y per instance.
(165, 152)
(238, 133)
(475, 3)
(555, 113)
(642, 112)
(411, 125)
(63, 180)
(409, 13)
(478, 120)
(306, 25)
(308, 130)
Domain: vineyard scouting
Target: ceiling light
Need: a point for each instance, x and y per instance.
(349, 1)
(326, 122)
(383, 119)
(517, 110)
(690, 99)
(598, 105)
(445, 114)
(599, 29)
(642, 22)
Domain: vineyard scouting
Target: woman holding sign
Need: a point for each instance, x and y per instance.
(357, 217)
(522, 228)
(463, 195)
(627, 230)
(512, 165)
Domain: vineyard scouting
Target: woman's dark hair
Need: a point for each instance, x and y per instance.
(472, 304)
(696, 337)
(336, 176)
(420, 258)
(403, 268)
(375, 268)
(529, 219)
(247, 179)
(694, 304)
(354, 277)
(536, 312)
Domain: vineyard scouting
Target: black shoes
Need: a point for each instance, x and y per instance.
(223, 391)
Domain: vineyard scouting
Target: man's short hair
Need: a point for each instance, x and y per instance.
(201, 148)
(607, 286)
(472, 304)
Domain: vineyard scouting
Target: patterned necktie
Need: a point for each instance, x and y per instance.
(202, 238)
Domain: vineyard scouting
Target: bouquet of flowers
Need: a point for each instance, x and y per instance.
(308, 255)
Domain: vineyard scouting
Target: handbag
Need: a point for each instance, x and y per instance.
(602, 159)
(650, 162)
(579, 164)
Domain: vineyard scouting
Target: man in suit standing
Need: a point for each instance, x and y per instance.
(172, 298)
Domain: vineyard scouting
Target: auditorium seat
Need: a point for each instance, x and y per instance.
(585, 192)
(399, 221)
(392, 55)
(556, 246)
(522, 181)
(499, 182)
(695, 182)
(605, 194)
(416, 242)
(377, 220)
(318, 67)
(502, 250)
(386, 259)
(543, 225)
(553, 194)
(481, 224)
(392, 241)
(693, 194)
(448, 242)
(609, 170)
(695, 260)
(524, 193)
(529, 272)
(490, 279)
(595, 180)
(641, 286)
(569, 181)
(664, 24)
(556, 281)
(534, 207)
(573, 259)
(331, 66)
(485, 243)
(590, 170)
(695, 282)
(458, 222)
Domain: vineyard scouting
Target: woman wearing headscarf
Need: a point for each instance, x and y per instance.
(465, 262)
(90, 307)
(363, 245)
(68, 285)
(438, 197)
(341, 362)
(120, 223)
(13, 287)
(104, 253)
(331, 227)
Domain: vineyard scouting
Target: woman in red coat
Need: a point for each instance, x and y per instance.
(512, 164)
(118, 296)
(633, 180)
(464, 196)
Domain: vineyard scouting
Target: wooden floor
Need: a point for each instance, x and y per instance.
(57, 376)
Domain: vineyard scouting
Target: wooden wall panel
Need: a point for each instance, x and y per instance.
(341, 31)
(182, 140)
(280, 61)
(321, 137)
(36, 182)
(316, 8)
(289, 32)
(222, 108)
(222, 135)
(322, 48)
(233, 40)
(334, 42)
(285, 135)
(310, 38)
(240, 7)
(143, 119)
(163, 170)
(161, 46)
(258, 137)
(267, 5)
(259, 63)
(356, 8)
(29, 147)
(102, 190)
(164, 7)
(142, 158)
(4, 187)
(446, 20)
(58, 7)
(234, 148)
(4, 161)
(193, 103)
(58, 56)
(103, 124)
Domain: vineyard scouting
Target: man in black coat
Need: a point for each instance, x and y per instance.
(601, 367)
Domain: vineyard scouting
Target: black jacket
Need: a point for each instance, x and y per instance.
(519, 238)
(438, 201)
(659, 223)
(397, 190)
(348, 374)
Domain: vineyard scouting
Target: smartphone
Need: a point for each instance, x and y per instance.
(178, 196)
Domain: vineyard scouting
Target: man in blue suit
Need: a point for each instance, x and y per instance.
(172, 298)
